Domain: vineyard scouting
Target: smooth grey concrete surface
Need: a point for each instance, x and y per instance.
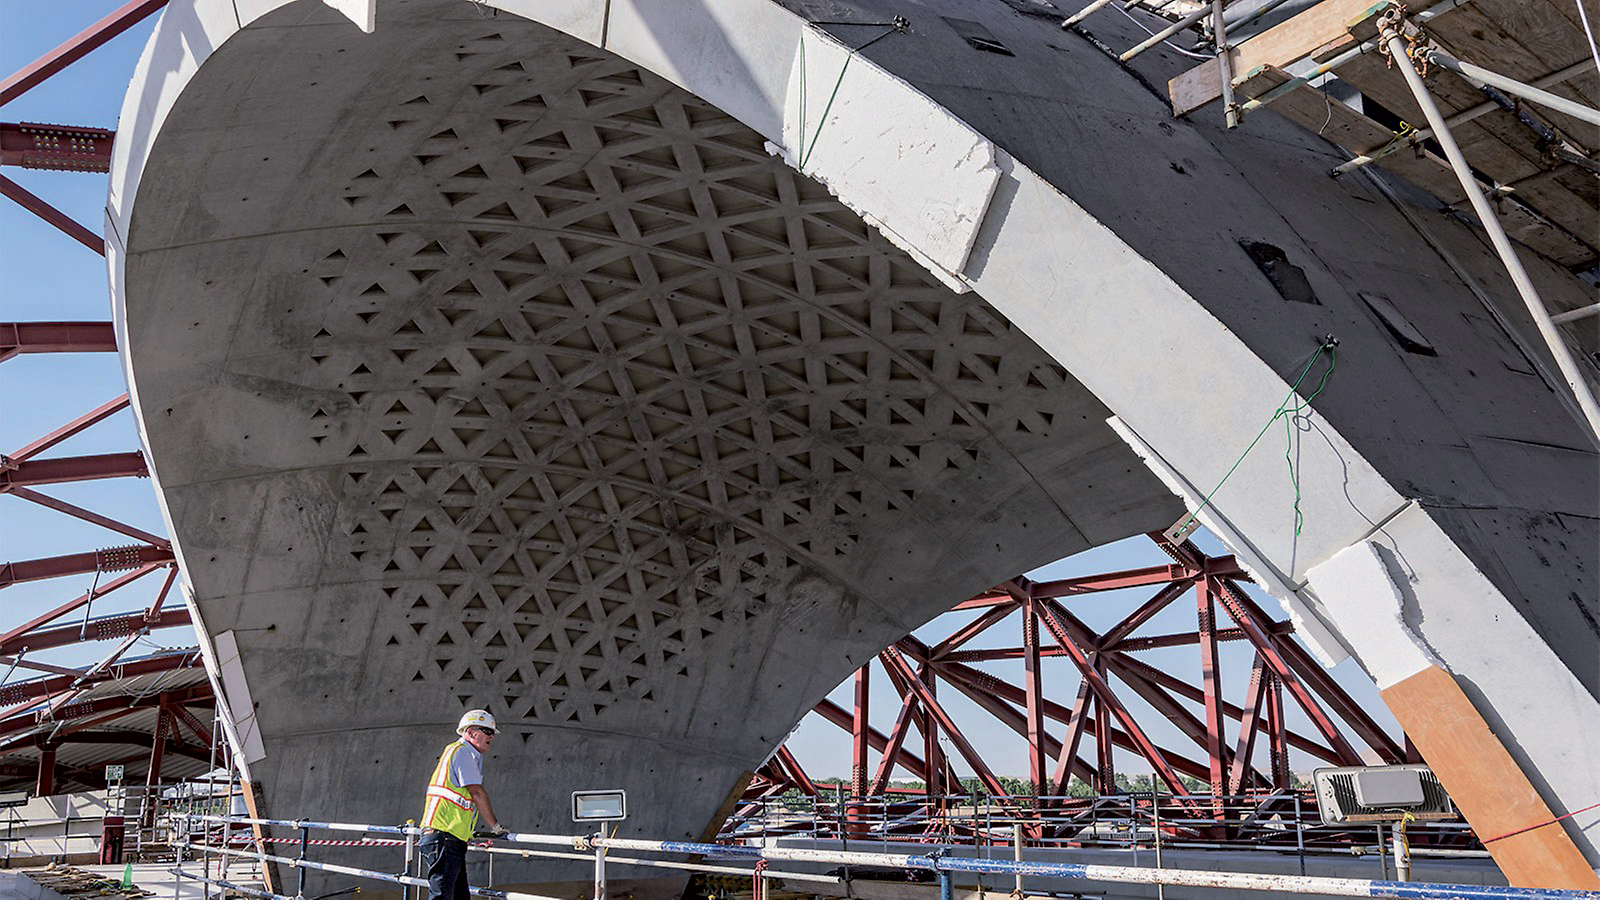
(480, 366)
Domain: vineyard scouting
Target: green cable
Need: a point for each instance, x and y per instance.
(806, 154)
(1288, 433)
(802, 98)
(1328, 346)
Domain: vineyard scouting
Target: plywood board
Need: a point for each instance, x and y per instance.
(1278, 46)
(1550, 235)
(1486, 783)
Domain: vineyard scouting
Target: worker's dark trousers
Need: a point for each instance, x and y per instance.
(445, 855)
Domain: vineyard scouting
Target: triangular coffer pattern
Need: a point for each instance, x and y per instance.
(606, 375)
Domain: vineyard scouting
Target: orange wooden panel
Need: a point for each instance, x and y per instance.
(1486, 783)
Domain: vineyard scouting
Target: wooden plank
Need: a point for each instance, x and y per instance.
(1314, 110)
(1278, 46)
(1485, 783)
(1507, 46)
(1317, 112)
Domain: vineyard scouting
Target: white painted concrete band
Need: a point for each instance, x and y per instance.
(1360, 597)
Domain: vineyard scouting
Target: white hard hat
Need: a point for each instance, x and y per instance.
(479, 717)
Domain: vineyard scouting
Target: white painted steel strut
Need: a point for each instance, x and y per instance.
(1390, 34)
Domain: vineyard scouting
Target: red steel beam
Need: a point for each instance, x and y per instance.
(1277, 733)
(1248, 727)
(111, 559)
(75, 603)
(858, 731)
(1314, 675)
(972, 629)
(99, 413)
(158, 743)
(193, 724)
(1067, 759)
(1106, 698)
(840, 717)
(1249, 618)
(1211, 679)
(45, 784)
(87, 515)
(22, 691)
(897, 740)
(62, 470)
(892, 658)
(1164, 704)
(101, 629)
(1128, 665)
(120, 20)
(17, 338)
(797, 774)
(939, 769)
(60, 148)
(1183, 639)
(63, 222)
(1144, 613)
(153, 612)
(1033, 675)
(997, 698)
(23, 721)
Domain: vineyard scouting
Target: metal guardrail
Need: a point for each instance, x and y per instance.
(944, 866)
(1286, 822)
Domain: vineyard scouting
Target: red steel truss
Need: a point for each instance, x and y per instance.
(1237, 748)
(118, 700)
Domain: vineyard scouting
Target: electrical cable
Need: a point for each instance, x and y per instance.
(1170, 45)
(897, 26)
(1329, 346)
(1289, 433)
(1501, 837)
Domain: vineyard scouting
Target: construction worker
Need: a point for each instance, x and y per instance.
(455, 804)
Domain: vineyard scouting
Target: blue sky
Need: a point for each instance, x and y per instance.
(44, 275)
(48, 276)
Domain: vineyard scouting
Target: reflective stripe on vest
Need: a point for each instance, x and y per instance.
(448, 807)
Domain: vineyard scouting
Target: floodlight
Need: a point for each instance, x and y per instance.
(1380, 794)
(599, 806)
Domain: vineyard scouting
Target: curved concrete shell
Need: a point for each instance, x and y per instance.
(636, 370)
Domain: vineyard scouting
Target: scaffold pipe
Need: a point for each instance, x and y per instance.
(488, 893)
(1251, 881)
(1514, 87)
(939, 863)
(1432, 12)
(230, 886)
(1497, 234)
(1460, 118)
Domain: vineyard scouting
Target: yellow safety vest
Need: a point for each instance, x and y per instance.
(448, 806)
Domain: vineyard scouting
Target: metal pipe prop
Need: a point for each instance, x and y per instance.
(1467, 115)
(1084, 13)
(1497, 234)
(1366, 46)
(1574, 315)
(1219, 34)
(1512, 86)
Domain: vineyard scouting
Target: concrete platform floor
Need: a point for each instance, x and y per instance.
(155, 877)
